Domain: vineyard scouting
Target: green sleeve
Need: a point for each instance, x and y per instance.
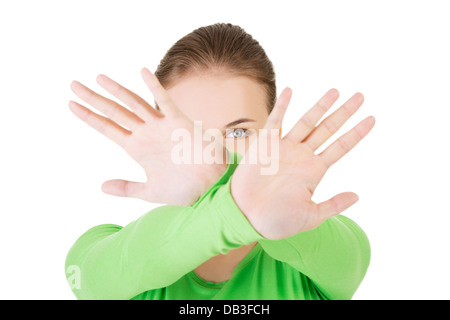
(115, 262)
(170, 241)
(334, 255)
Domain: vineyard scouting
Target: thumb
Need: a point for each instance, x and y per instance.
(336, 205)
(124, 188)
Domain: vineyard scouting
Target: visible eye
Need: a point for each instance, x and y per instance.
(237, 133)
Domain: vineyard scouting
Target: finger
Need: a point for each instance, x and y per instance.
(103, 125)
(346, 142)
(124, 188)
(275, 119)
(129, 98)
(336, 205)
(333, 122)
(307, 123)
(106, 106)
(160, 94)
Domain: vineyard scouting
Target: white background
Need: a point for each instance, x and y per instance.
(52, 165)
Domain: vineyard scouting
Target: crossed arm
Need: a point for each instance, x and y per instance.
(168, 242)
(286, 225)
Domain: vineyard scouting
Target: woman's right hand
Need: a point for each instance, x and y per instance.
(146, 135)
(279, 204)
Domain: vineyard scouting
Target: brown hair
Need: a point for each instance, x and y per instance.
(222, 47)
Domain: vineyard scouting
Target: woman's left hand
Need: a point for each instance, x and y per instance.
(146, 135)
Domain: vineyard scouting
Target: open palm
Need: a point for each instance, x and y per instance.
(146, 135)
(279, 205)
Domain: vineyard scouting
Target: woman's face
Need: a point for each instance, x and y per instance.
(235, 105)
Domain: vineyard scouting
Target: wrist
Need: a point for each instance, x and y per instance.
(213, 172)
(218, 173)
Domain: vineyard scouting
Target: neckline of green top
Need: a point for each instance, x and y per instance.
(241, 264)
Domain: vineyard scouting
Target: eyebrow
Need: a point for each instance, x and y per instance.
(238, 121)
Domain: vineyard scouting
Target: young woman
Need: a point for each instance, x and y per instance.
(226, 231)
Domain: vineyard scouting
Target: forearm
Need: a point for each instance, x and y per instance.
(335, 255)
(160, 247)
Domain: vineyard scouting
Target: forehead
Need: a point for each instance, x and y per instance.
(217, 99)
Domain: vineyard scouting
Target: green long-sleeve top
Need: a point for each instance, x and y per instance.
(154, 257)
